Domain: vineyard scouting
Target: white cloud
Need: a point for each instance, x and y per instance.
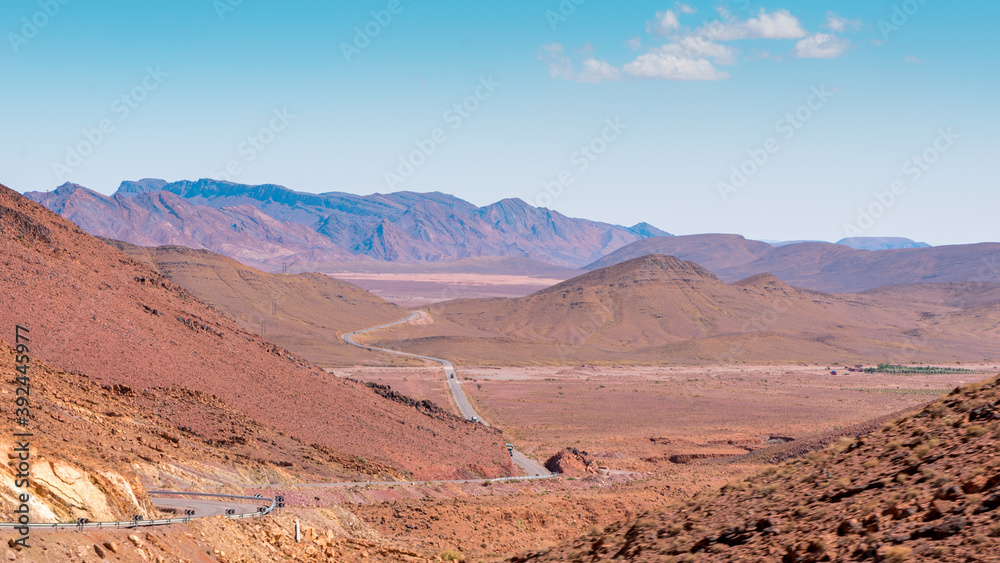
(913, 59)
(840, 24)
(821, 46)
(698, 47)
(780, 24)
(665, 23)
(764, 55)
(561, 65)
(668, 66)
(595, 71)
(685, 9)
(635, 43)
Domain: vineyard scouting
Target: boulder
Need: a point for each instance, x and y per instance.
(571, 462)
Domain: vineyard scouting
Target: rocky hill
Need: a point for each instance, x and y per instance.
(268, 225)
(660, 308)
(926, 487)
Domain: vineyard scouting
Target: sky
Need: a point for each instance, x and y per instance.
(775, 120)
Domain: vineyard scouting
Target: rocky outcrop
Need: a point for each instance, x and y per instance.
(571, 462)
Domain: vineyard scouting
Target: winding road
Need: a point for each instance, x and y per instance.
(209, 504)
(528, 465)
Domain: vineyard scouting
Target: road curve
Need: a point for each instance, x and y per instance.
(528, 465)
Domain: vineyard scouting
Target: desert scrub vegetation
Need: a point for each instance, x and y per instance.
(974, 431)
(917, 370)
(452, 555)
(897, 554)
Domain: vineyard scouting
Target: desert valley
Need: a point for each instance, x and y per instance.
(499, 282)
(648, 384)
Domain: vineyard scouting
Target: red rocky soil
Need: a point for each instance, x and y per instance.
(924, 487)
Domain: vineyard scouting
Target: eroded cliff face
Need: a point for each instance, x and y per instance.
(62, 491)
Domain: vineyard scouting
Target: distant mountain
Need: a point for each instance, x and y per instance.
(158, 218)
(713, 251)
(268, 224)
(822, 266)
(881, 243)
(862, 243)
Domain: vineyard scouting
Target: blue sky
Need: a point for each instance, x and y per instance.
(671, 113)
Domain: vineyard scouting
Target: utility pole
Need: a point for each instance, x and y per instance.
(274, 307)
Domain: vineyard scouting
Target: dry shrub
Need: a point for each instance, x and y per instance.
(897, 554)
(937, 410)
(768, 489)
(842, 443)
(942, 480)
(974, 431)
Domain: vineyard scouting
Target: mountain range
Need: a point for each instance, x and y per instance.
(268, 225)
(273, 228)
(822, 266)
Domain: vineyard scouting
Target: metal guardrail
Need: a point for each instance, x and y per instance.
(130, 524)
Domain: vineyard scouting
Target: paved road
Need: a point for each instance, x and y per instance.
(530, 467)
(349, 484)
(243, 507)
(204, 508)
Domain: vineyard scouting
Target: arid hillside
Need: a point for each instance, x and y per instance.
(93, 310)
(97, 448)
(925, 487)
(305, 313)
(659, 308)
